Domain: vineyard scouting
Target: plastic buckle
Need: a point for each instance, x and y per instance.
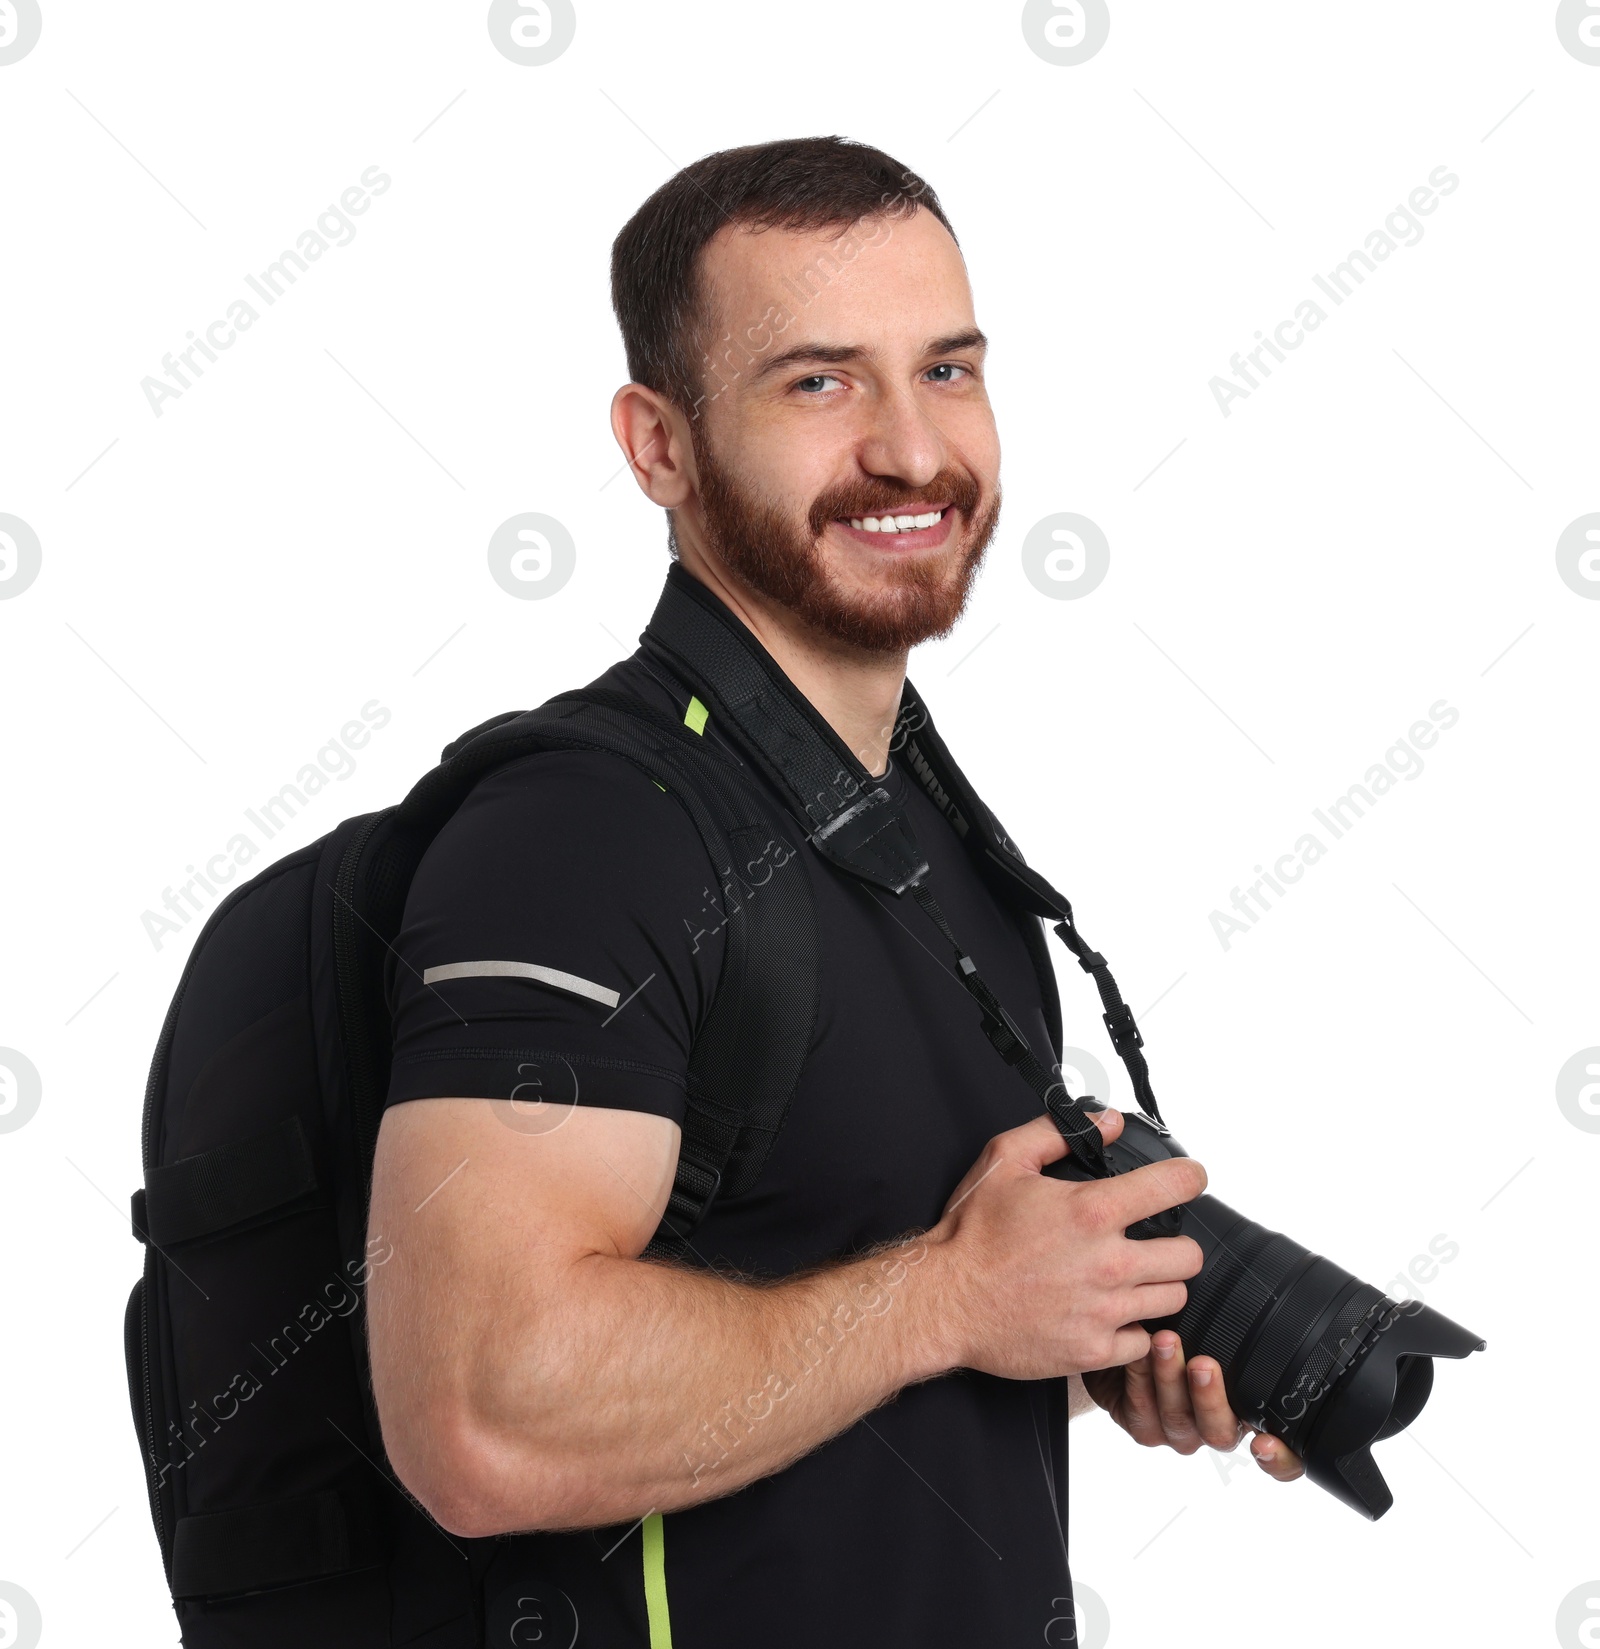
(1124, 1033)
(997, 1026)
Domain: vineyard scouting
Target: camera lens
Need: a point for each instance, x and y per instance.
(1308, 1352)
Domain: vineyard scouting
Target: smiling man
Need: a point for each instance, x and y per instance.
(840, 1414)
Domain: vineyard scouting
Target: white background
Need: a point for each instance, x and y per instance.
(304, 530)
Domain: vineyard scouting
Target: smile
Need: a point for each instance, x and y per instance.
(907, 529)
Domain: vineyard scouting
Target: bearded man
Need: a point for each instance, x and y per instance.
(841, 1416)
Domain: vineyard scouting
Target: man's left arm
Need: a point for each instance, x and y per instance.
(1163, 1400)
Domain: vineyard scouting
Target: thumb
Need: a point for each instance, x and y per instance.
(1041, 1141)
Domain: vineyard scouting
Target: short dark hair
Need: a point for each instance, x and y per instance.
(801, 183)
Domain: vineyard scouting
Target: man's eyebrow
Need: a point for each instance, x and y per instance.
(841, 354)
(972, 338)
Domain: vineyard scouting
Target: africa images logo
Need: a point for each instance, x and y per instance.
(333, 228)
(1402, 760)
(20, 555)
(1402, 227)
(20, 25)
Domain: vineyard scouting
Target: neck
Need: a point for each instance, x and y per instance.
(856, 692)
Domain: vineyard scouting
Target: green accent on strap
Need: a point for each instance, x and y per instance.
(694, 718)
(655, 1558)
(659, 786)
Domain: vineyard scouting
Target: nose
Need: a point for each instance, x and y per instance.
(901, 442)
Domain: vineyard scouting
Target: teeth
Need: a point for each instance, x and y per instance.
(895, 523)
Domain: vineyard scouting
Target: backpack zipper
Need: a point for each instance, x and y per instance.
(157, 1077)
(152, 1478)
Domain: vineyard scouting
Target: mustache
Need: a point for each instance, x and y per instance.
(954, 487)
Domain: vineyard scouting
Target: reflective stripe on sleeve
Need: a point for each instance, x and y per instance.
(523, 970)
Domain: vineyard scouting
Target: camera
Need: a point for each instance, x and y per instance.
(1308, 1352)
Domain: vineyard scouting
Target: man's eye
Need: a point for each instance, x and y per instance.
(815, 380)
(948, 366)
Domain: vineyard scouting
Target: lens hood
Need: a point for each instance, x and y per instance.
(1308, 1351)
(1381, 1393)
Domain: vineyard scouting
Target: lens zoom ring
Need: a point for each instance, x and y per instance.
(1223, 1268)
(1248, 1273)
(1267, 1371)
(1253, 1294)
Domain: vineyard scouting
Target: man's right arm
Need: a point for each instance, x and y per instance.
(532, 1372)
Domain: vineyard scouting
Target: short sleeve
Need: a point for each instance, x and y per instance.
(561, 942)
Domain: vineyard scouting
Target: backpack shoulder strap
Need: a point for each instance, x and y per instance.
(747, 1059)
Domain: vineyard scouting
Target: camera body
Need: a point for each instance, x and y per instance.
(1308, 1351)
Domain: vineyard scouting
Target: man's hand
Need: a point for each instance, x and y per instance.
(1161, 1400)
(1039, 1276)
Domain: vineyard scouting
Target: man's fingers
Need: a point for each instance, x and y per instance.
(1109, 1122)
(1151, 1301)
(1148, 1190)
(1128, 1345)
(1164, 1260)
(1138, 1406)
(1032, 1144)
(1038, 1142)
(1172, 1393)
(1217, 1422)
(1167, 1399)
(1277, 1459)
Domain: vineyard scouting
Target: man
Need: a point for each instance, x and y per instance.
(846, 1421)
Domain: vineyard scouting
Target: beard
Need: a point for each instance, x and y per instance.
(911, 600)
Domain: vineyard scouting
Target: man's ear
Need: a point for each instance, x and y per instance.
(654, 437)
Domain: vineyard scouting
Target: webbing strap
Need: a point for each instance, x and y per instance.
(1125, 1037)
(655, 1582)
(1070, 1115)
(199, 1196)
(930, 759)
(327, 1533)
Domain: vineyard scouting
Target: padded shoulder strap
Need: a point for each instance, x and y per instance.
(746, 1061)
(854, 824)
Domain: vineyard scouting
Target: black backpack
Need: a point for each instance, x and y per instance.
(245, 1338)
(278, 1516)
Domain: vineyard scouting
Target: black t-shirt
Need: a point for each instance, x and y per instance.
(939, 1518)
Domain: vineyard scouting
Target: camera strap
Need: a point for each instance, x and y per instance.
(857, 826)
(1070, 1116)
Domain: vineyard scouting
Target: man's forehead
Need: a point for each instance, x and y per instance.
(887, 264)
